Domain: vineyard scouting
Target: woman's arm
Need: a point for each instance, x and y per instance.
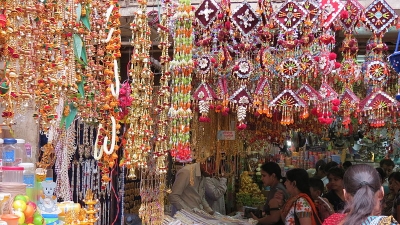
(305, 220)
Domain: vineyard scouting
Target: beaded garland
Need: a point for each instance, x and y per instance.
(182, 68)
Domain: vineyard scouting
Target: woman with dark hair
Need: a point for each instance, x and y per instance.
(271, 176)
(300, 208)
(363, 193)
(336, 196)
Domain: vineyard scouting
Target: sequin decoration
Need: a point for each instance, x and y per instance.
(290, 15)
(352, 11)
(207, 12)
(245, 18)
(379, 16)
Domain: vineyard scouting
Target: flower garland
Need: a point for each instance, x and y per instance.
(182, 68)
(108, 135)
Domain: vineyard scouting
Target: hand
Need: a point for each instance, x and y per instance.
(253, 216)
(196, 210)
(211, 212)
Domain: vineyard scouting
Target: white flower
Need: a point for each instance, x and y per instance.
(244, 100)
(201, 95)
(244, 67)
(203, 63)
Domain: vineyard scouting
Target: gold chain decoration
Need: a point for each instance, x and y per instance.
(164, 94)
(182, 68)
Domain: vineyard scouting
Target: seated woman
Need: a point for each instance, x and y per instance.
(363, 194)
(271, 177)
(300, 208)
(335, 196)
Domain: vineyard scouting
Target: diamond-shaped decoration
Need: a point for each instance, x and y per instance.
(354, 10)
(290, 15)
(379, 16)
(245, 18)
(330, 11)
(207, 12)
(313, 8)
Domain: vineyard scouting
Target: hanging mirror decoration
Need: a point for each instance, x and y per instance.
(265, 58)
(206, 62)
(288, 68)
(246, 21)
(220, 46)
(378, 106)
(350, 71)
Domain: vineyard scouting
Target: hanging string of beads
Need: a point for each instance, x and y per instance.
(182, 68)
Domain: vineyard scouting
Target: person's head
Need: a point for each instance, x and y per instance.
(335, 177)
(394, 182)
(363, 193)
(316, 187)
(297, 182)
(320, 169)
(387, 165)
(346, 165)
(270, 173)
(382, 174)
(330, 165)
(208, 167)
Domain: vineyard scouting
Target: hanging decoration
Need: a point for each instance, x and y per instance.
(182, 65)
(138, 140)
(107, 138)
(378, 105)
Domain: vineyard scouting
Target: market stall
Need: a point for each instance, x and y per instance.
(95, 127)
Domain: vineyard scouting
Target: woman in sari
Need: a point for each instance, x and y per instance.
(363, 193)
(300, 208)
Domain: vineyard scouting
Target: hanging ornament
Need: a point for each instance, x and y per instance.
(377, 107)
(241, 100)
(288, 103)
(348, 105)
(245, 18)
